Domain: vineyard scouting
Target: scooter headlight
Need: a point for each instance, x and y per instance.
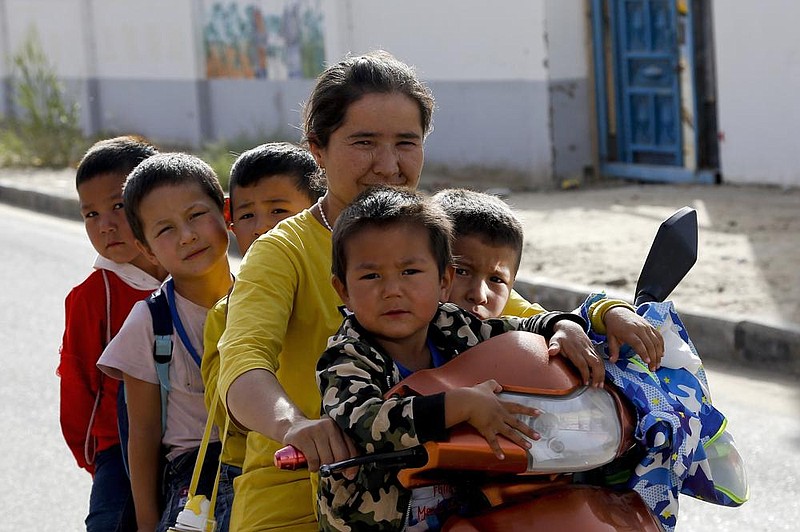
(579, 431)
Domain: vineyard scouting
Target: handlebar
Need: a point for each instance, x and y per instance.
(291, 458)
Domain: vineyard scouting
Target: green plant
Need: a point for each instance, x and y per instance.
(47, 132)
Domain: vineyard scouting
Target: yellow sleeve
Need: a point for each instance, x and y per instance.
(521, 307)
(259, 308)
(598, 309)
(282, 310)
(281, 313)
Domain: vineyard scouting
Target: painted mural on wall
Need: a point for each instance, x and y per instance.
(274, 39)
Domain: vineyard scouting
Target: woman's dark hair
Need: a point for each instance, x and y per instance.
(346, 82)
(118, 155)
(167, 169)
(384, 206)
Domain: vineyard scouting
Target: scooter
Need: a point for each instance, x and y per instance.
(581, 428)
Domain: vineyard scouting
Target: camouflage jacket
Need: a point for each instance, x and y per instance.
(354, 374)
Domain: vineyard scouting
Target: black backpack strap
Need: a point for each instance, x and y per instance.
(162, 346)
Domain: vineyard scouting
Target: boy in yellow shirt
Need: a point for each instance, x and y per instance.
(268, 183)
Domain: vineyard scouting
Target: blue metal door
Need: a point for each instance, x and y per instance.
(649, 124)
(647, 69)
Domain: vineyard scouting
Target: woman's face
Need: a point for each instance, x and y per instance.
(379, 142)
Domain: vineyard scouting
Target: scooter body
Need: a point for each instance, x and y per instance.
(581, 428)
(532, 489)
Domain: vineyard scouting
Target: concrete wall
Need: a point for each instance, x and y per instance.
(257, 109)
(131, 66)
(568, 43)
(509, 78)
(758, 82)
(486, 63)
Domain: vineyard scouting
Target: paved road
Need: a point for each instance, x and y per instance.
(44, 257)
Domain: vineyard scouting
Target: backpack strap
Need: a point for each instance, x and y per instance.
(162, 346)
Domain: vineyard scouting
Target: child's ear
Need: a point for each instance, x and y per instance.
(447, 282)
(341, 290)
(144, 249)
(226, 212)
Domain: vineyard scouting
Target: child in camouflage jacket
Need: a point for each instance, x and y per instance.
(392, 267)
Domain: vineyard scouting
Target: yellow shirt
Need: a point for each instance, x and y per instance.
(236, 440)
(282, 310)
(519, 306)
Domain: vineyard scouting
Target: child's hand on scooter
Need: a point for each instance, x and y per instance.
(570, 340)
(480, 407)
(623, 326)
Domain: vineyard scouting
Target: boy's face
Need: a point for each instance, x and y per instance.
(484, 276)
(104, 218)
(259, 207)
(393, 283)
(185, 230)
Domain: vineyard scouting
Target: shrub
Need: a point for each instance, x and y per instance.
(47, 132)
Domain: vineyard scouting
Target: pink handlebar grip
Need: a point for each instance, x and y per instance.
(289, 458)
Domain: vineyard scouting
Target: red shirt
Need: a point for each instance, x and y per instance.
(81, 381)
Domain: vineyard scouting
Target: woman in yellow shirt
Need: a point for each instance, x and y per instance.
(365, 123)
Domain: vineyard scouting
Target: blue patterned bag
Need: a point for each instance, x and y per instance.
(686, 448)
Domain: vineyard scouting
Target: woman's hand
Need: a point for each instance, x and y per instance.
(623, 326)
(321, 441)
(480, 407)
(570, 340)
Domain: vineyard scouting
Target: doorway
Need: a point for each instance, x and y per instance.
(655, 90)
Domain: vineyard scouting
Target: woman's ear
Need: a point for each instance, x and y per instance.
(447, 282)
(316, 150)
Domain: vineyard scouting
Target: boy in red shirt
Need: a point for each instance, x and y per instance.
(95, 310)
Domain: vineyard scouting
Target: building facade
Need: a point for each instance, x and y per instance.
(530, 93)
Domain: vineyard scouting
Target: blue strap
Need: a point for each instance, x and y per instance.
(176, 320)
(162, 347)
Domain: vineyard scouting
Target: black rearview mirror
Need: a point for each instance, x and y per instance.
(672, 255)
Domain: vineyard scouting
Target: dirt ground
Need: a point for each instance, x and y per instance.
(749, 243)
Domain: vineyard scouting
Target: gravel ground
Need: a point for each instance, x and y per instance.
(748, 249)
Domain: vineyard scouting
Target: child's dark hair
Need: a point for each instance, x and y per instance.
(482, 215)
(277, 158)
(347, 81)
(385, 206)
(166, 169)
(118, 155)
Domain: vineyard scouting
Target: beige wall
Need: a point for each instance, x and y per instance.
(758, 83)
